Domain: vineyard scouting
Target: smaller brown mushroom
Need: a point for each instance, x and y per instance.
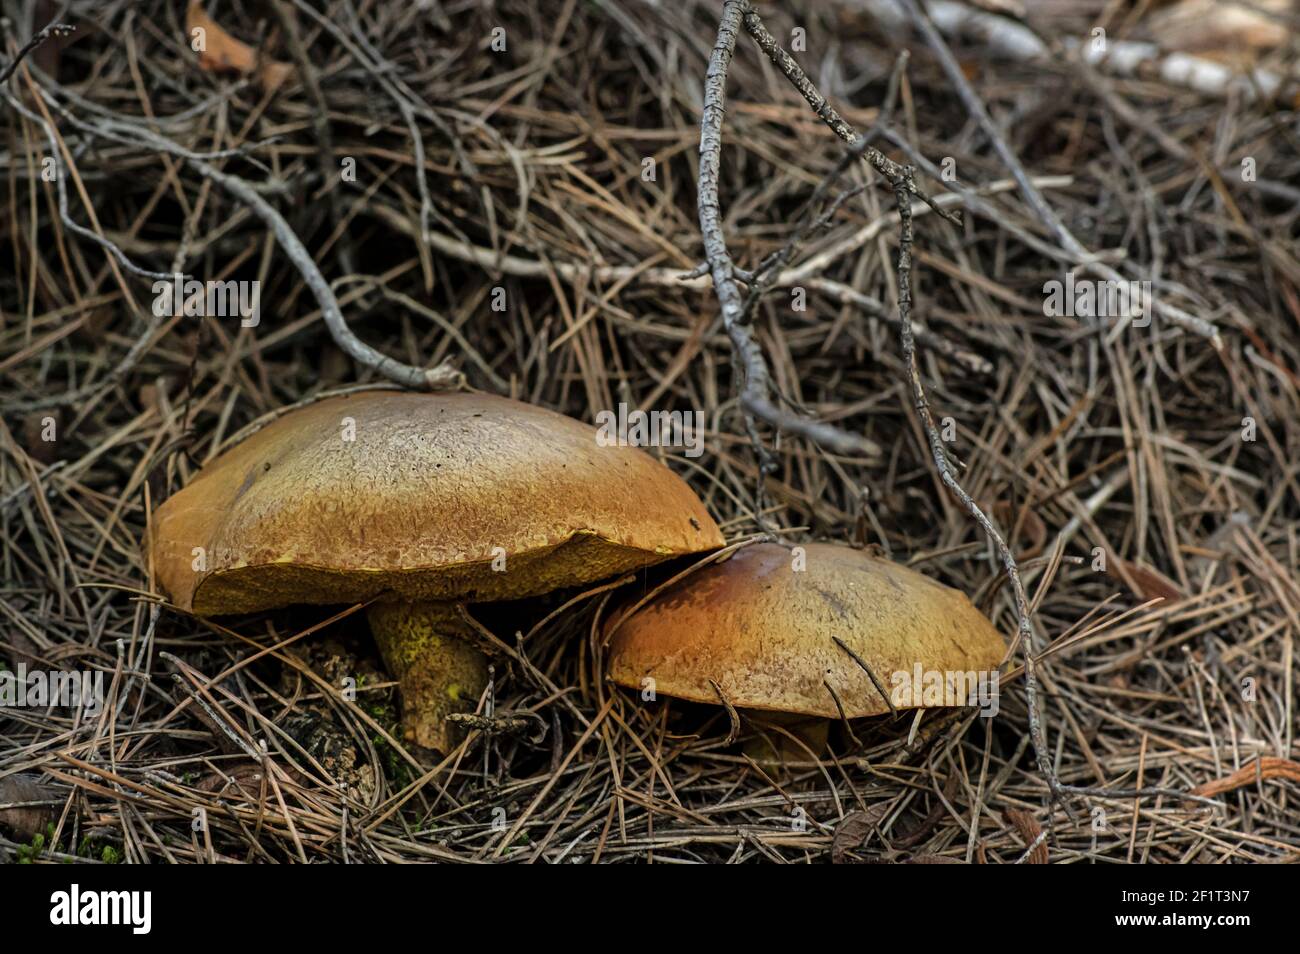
(775, 630)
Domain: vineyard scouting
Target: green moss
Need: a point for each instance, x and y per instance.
(30, 852)
(93, 848)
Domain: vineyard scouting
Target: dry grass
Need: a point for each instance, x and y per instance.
(1076, 436)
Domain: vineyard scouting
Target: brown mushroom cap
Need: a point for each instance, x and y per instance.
(416, 506)
(763, 632)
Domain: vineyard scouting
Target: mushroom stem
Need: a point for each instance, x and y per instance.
(432, 653)
(769, 746)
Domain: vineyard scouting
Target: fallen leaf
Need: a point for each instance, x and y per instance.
(222, 53)
(854, 830)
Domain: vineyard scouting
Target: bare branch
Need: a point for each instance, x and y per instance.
(756, 388)
(404, 374)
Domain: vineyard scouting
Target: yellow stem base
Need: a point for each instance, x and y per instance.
(439, 669)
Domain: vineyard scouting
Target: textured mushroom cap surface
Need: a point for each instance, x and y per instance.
(416, 505)
(764, 632)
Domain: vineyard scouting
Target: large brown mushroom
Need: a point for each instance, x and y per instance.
(423, 501)
(759, 631)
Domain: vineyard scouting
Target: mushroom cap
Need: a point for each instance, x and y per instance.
(417, 505)
(764, 632)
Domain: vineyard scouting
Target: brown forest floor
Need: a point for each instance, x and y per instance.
(1175, 668)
